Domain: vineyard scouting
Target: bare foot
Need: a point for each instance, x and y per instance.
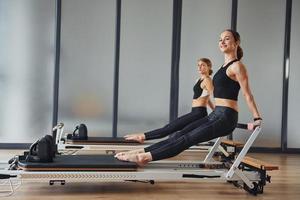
(138, 137)
(137, 151)
(140, 159)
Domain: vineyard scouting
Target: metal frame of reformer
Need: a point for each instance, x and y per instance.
(72, 148)
(206, 170)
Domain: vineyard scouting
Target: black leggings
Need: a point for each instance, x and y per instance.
(222, 121)
(178, 124)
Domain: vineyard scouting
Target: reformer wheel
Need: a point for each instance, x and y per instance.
(252, 191)
(235, 183)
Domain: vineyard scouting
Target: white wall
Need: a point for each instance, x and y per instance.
(145, 65)
(261, 25)
(294, 81)
(26, 69)
(202, 23)
(87, 65)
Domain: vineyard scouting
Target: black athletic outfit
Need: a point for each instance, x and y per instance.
(179, 123)
(222, 121)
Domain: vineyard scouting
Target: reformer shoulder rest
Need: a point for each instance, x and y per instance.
(80, 132)
(43, 150)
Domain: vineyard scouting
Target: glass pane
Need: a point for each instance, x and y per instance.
(26, 69)
(145, 64)
(199, 38)
(261, 26)
(294, 81)
(87, 65)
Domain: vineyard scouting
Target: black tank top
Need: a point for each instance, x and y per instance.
(225, 87)
(197, 89)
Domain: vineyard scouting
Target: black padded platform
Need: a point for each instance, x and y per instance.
(79, 163)
(102, 140)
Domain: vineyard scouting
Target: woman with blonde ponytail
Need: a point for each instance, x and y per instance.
(202, 90)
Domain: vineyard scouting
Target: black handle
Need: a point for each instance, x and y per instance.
(242, 126)
(249, 126)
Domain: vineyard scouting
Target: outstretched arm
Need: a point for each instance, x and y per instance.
(242, 77)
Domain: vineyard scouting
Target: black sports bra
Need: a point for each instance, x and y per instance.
(224, 86)
(198, 91)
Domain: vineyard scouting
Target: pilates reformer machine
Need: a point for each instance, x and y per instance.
(80, 142)
(42, 164)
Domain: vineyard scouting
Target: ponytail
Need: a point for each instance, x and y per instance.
(240, 52)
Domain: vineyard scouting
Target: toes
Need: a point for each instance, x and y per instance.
(122, 157)
(120, 154)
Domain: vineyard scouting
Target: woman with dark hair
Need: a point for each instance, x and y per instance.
(202, 89)
(228, 80)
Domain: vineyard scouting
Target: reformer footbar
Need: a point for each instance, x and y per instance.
(234, 171)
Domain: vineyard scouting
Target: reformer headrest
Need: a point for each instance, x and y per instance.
(42, 150)
(80, 133)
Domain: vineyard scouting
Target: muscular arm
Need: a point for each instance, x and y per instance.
(208, 85)
(241, 76)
